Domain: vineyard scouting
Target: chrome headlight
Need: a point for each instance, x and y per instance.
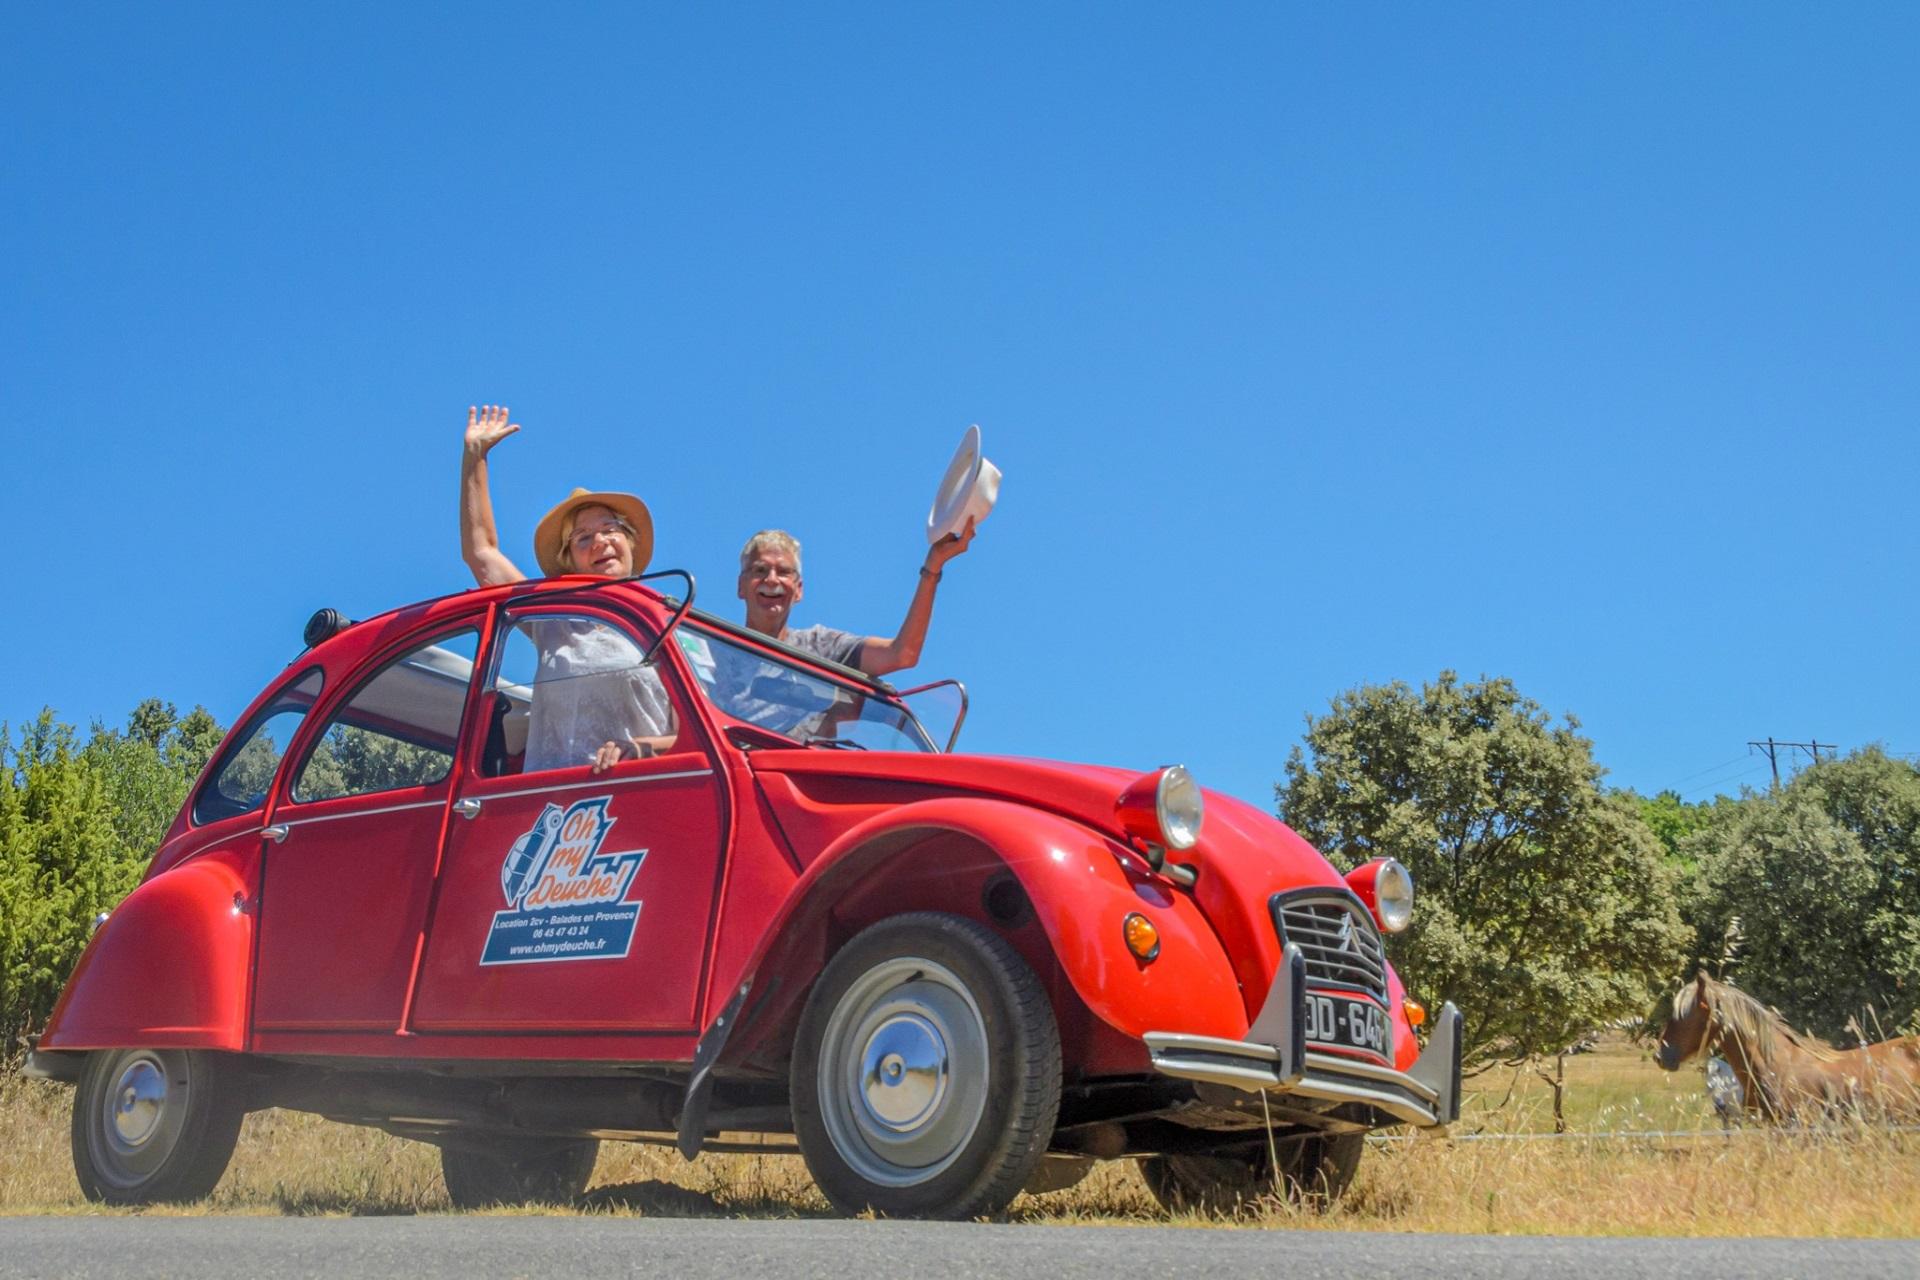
(1393, 896)
(1179, 807)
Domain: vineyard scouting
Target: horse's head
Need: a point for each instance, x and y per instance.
(1689, 1016)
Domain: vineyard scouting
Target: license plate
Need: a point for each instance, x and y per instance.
(1351, 1024)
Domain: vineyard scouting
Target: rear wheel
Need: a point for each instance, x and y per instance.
(926, 1075)
(153, 1125)
(518, 1171)
(1315, 1172)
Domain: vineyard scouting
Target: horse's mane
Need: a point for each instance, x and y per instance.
(1760, 1029)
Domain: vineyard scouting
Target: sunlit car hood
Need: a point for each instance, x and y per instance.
(1243, 857)
(1235, 834)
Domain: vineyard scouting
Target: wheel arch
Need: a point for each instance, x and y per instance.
(1074, 888)
(171, 968)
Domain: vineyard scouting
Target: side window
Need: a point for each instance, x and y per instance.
(247, 768)
(399, 729)
(564, 688)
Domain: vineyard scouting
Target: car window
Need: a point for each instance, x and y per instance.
(563, 686)
(766, 691)
(399, 729)
(247, 767)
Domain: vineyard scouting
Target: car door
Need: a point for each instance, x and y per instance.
(352, 847)
(570, 899)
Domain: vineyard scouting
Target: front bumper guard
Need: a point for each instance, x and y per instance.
(1274, 1058)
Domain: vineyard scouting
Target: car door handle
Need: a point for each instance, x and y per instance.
(276, 833)
(468, 808)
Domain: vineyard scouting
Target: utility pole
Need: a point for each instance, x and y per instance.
(1773, 748)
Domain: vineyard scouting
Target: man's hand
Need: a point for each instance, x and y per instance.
(487, 426)
(948, 547)
(607, 756)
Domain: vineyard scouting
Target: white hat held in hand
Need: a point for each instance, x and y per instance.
(968, 491)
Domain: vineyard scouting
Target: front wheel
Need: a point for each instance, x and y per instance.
(926, 1075)
(513, 1171)
(155, 1125)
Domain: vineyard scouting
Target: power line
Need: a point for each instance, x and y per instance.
(1713, 786)
(1709, 769)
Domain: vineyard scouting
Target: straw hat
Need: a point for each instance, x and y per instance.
(547, 544)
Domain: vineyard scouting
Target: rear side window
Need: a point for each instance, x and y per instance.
(247, 767)
(399, 729)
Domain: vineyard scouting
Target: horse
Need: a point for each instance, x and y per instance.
(1787, 1075)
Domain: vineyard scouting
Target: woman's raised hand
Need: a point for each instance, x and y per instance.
(487, 426)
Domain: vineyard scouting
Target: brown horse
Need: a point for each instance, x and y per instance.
(1786, 1074)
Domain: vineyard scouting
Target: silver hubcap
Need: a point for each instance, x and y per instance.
(140, 1116)
(139, 1099)
(903, 1072)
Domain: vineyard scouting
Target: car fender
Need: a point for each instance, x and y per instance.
(169, 969)
(1081, 886)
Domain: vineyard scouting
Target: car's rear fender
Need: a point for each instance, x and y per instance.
(170, 968)
(956, 855)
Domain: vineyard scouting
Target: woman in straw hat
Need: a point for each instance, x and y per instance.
(593, 702)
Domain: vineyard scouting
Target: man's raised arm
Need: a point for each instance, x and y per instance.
(880, 654)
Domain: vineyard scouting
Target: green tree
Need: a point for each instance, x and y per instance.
(1674, 823)
(1546, 907)
(78, 825)
(1821, 883)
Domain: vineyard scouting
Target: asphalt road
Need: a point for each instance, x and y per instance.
(478, 1248)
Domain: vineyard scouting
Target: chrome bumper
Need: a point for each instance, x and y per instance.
(1275, 1058)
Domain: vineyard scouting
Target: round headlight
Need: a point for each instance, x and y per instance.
(1393, 896)
(1178, 806)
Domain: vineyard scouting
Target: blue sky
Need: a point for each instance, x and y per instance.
(1319, 345)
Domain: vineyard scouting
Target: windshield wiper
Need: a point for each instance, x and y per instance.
(838, 744)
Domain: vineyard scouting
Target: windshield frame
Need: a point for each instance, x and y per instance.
(808, 664)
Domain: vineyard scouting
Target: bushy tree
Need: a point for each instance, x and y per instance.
(78, 824)
(1821, 884)
(1546, 907)
(1674, 823)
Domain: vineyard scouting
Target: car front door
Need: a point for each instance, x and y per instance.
(571, 899)
(352, 847)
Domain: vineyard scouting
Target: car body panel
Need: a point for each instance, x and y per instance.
(170, 968)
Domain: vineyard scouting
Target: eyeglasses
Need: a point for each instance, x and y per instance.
(584, 538)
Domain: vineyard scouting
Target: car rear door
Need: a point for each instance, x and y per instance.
(351, 848)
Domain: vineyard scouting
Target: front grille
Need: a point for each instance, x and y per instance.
(1337, 936)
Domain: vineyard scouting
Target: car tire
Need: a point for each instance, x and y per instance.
(1317, 1171)
(926, 1074)
(512, 1171)
(155, 1125)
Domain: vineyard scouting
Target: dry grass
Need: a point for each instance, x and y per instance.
(1841, 1183)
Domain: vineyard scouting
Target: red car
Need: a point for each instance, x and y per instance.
(948, 977)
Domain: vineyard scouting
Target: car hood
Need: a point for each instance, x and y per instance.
(1244, 855)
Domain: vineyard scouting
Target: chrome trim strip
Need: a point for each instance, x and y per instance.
(1370, 1071)
(357, 813)
(596, 782)
(1160, 1041)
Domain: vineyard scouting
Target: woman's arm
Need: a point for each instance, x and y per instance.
(479, 540)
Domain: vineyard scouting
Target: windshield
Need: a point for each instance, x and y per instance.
(810, 708)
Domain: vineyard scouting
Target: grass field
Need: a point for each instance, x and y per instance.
(1491, 1179)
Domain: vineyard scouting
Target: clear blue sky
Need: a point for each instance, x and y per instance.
(1319, 345)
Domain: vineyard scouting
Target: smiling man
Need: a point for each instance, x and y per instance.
(771, 585)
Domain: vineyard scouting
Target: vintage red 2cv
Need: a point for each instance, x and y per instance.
(945, 978)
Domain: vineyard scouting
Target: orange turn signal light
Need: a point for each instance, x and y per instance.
(1142, 938)
(1416, 1012)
